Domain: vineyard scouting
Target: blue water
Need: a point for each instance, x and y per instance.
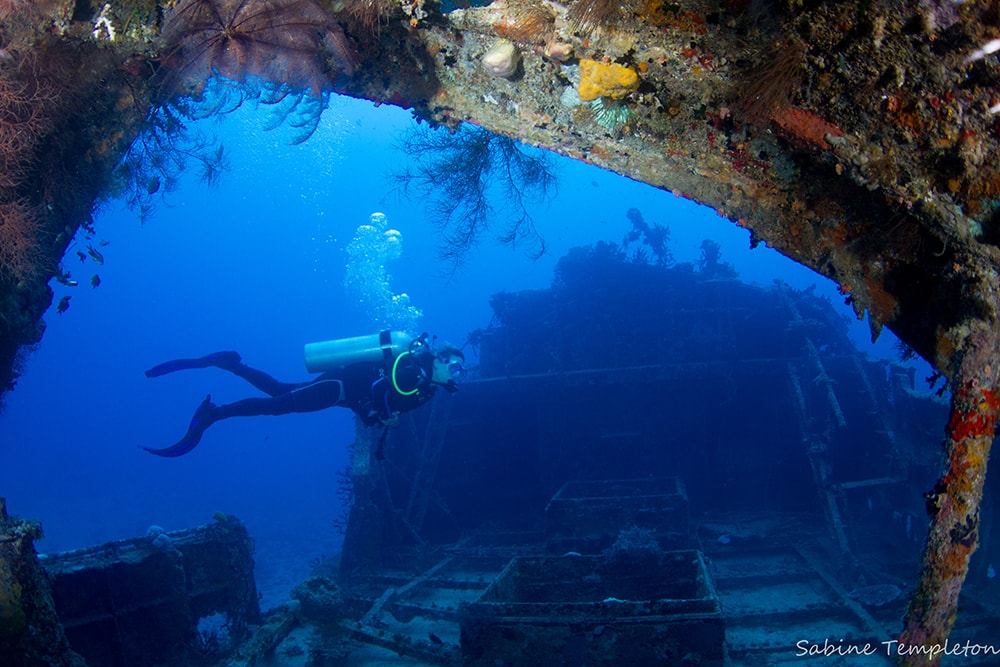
(257, 265)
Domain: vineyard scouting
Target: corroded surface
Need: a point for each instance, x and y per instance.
(857, 138)
(955, 501)
(30, 633)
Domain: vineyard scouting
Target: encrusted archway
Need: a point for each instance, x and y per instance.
(858, 138)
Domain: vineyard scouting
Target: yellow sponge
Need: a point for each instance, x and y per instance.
(605, 80)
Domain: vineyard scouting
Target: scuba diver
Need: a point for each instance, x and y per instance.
(370, 375)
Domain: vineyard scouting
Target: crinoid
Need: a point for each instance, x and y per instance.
(585, 16)
(295, 42)
(368, 15)
(526, 22)
(771, 86)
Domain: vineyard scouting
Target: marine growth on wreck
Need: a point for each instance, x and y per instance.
(858, 138)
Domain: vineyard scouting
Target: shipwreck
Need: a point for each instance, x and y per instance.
(858, 138)
(725, 481)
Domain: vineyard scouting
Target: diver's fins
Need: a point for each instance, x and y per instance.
(204, 417)
(226, 360)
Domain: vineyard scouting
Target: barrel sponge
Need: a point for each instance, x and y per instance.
(605, 80)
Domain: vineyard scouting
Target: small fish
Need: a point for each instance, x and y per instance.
(64, 277)
(103, 243)
(153, 185)
(63, 305)
(95, 280)
(990, 572)
(435, 639)
(94, 254)
(82, 256)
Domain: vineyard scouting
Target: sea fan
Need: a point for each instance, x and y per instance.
(285, 41)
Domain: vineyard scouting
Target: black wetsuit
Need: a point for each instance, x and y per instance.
(365, 388)
(373, 391)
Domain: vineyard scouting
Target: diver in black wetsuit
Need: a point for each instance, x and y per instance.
(374, 392)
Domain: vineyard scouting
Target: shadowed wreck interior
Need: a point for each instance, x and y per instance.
(858, 138)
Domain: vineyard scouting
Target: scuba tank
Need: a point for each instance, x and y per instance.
(384, 346)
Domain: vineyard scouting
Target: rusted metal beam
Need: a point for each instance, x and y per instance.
(954, 502)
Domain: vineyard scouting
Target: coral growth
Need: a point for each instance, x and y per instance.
(771, 86)
(63, 116)
(585, 16)
(655, 238)
(166, 147)
(710, 263)
(610, 113)
(599, 79)
(526, 22)
(634, 550)
(502, 59)
(805, 127)
(655, 12)
(30, 633)
(28, 100)
(321, 600)
(20, 241)
(455, 175)
(25, 10)
(284, 41)
(368, 15)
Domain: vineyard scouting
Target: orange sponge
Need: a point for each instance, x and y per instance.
(605, 80)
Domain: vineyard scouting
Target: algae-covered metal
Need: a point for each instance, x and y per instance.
(858, 138)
